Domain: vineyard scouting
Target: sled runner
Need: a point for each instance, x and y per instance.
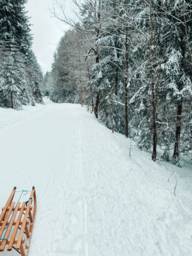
(17, 221)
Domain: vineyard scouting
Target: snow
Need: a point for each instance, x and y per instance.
(14, 253)
(97, 193)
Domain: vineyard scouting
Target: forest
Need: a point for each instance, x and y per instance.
(20, 73)
(130, 62)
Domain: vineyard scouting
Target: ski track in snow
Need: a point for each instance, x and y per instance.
(98, 195)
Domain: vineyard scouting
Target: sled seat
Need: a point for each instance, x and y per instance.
(17, 221)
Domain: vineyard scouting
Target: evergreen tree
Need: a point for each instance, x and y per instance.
(13, 87)
(17, 62)
(34, 78)
(14, 24)
(47, 85)
(65, 84)
(139, 70)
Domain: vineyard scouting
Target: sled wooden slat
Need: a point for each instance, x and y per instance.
(5, 221)
(9, 229)
(24, 224)
(17, 222)
(13, 236)
(10, 199)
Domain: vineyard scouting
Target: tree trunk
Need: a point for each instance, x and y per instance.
(154, 123)
(116, 80)
(191, 138)
(176, 153)
(126, 84)
(90, 89)
(153, 83)
(96, 108)
(12, 100)
(97, 59)
(126, 114)
(183, 45)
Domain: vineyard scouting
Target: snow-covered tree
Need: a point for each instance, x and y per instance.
(47, 85)
(64, 70)
(17, 84)
(34, 78)
(140, 72)
(13, 86)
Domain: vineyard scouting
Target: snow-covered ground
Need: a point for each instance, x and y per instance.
(98, 195)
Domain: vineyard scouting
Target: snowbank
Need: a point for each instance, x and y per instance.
(97, 193)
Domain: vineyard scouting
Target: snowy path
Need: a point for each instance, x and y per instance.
(96, 196)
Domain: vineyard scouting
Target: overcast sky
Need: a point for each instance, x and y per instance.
(46, 30)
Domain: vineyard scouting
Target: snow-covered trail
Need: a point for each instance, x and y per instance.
(97, 193)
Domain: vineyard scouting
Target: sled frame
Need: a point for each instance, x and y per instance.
(17, 222)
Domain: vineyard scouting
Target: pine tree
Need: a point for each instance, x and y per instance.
(176, 52)
(66, 71)
(17, 61)
(139, 70)
(47, 85)
(13, 87)
(34, 78)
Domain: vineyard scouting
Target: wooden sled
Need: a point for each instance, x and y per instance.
(17, 222)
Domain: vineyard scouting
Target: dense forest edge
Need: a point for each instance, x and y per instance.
(130, 62)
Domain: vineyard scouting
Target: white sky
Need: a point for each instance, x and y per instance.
(47, 30)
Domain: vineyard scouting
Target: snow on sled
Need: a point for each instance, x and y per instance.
(16, 222)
